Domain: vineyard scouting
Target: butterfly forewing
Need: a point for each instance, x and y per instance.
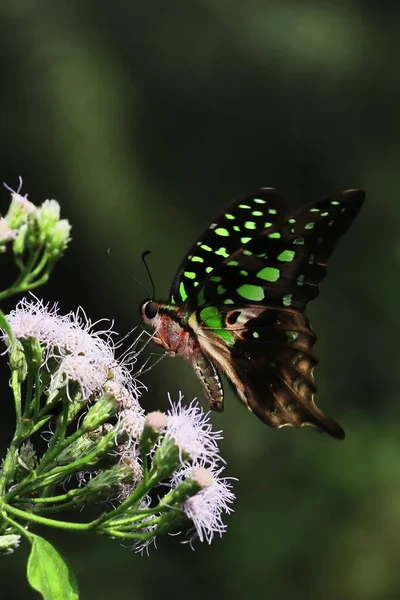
(283, 265)
(230, 230)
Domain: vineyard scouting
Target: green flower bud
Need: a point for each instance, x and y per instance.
(167, 458)
(105, 483)
(83, 446)
(177, 496)
(19, 212)
(19, 243)
(155, 423)
(47, 215)
(27, 456)
(101, 411)
(18, 361)
(58, 238)
(33, 352)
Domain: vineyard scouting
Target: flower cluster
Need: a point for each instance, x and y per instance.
(101, 447)
(81, 436)
(38, 237)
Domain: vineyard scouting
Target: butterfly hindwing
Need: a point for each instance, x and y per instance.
(271, 363)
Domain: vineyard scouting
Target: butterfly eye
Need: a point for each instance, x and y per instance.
(150, 309)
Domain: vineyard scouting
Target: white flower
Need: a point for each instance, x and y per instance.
(80, 353)
(21, 204)
(192, 432)
(207, 507)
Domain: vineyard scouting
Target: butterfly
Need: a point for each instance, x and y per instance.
(237, 304)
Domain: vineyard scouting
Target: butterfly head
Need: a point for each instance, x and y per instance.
(149, 310)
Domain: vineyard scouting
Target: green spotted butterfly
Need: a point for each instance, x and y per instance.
(237, 304)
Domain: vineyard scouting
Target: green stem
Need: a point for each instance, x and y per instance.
(45, 521)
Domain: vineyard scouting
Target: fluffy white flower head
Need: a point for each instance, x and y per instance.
(83, 354)
(192, 432)
(207, 507)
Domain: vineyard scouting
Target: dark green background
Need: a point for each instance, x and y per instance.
(143, 119)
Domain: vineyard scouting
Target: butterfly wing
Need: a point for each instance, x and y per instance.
(268, 356)
(245, 300)
(233, 227)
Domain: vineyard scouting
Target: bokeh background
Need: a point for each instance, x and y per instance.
(143, 119)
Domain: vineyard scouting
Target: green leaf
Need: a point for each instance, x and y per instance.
(48, 573)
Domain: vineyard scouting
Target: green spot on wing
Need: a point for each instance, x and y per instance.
(222, 252)
(276, 235)
(250, 225)
(314, 209)
(335, 202)
(272, 211)
(209, 269)
(292, 335)
(247, 253)
(286, 256)
(287, 300)
(190, 274)
(259, 201)
(251, 292)
(300, 280)
(244, 273)
(222, 231)
(309, 225)
(244, 206)
(213, 319)
(244, 240)
(205, 247)
(257, 213)
(229, 216)
(216, 278)
(299, 241)
(197, 259)
(210, 312)
(269, 274)
(291, 221)
(221, 289)
(228, 301)
(236, 228)
(233, 263)
(267, 224)
(182, 291)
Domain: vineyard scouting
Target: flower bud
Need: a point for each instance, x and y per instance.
(167, 458)
(101, 411)
(33, 352)
(6, 233)
(155, 422)
(18, 361)
(20, 210)
(105, 482)
(19, 243)
(9, 543)
(57, 240)
(27, 456)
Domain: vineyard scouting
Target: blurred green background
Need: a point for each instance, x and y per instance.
(143, 119)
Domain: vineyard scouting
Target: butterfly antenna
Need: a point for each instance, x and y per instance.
(130, 274)
(145, 253)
